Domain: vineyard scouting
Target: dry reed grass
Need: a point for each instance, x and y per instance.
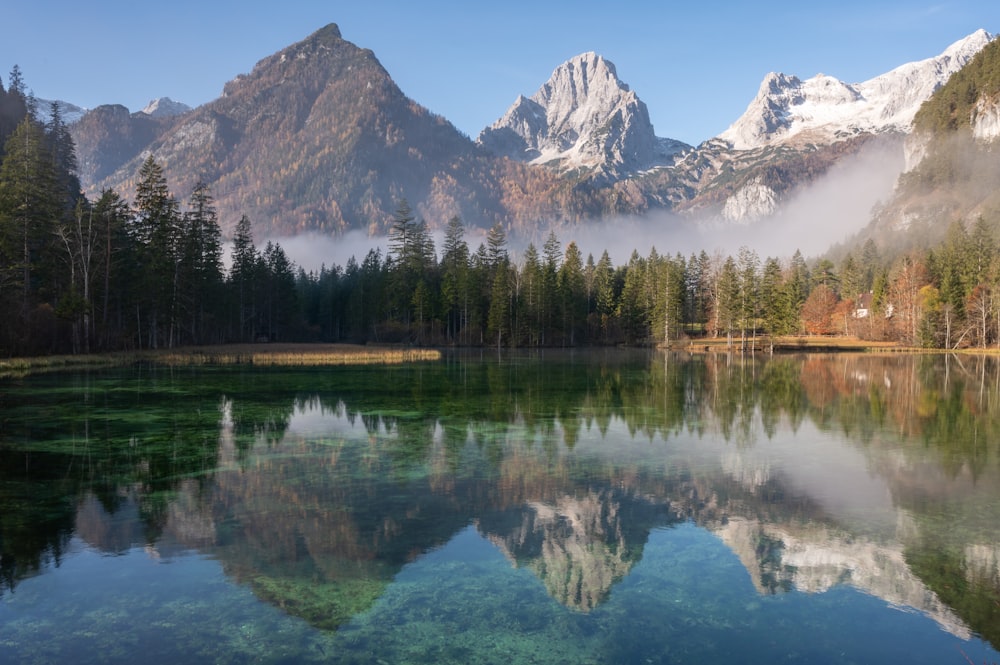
(291, 355)
(231, 354)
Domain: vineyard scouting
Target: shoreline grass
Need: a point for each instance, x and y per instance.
(227, 354)
(290, 355)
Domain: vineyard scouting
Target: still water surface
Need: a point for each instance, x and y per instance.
(555, 508)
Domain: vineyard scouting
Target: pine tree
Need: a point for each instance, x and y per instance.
(157, 232)
(498, 326)
(776, 315)
(673, 287)
(411, 250)
(633, 308)
(698, 291)
(118, 272)
(13, 110)
(496, 246)
(63, 150)
(201, 261)
(243, 279)
(851, 279)
(532, 296)
(572, 294)
(727, 300)
(548, 301)
(280, 303)
(455, 278)
(604, 295)
(30, 207)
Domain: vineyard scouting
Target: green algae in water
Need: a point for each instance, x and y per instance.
(325, 605)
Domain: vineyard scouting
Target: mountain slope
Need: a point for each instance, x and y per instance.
(318, 137)
(584, 119)
(108, 137)
(953, 165)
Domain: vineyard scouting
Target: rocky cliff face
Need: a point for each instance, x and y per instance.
(583, 119)
(986, 119)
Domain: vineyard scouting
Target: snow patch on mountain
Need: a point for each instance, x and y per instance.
(584, 117)
(825, 108)
(164, 107)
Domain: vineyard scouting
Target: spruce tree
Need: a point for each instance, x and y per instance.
(201, 262)
(30, 207)
(455, 278)
(243, 280)
(572, 294)
(157, 232)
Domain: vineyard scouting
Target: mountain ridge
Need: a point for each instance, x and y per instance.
(317, 137)
(786, 106)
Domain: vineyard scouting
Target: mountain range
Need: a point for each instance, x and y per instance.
(318, 137)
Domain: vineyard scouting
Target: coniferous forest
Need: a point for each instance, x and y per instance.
(80, 276)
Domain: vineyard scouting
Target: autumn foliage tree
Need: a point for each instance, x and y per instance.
(818, 311)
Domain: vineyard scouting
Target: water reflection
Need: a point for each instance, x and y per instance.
(316, 488)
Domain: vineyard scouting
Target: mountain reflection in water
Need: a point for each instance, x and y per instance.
(317, 487)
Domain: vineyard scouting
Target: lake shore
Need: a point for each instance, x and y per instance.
(226, 354)
(313, 354)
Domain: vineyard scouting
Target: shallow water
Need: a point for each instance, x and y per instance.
(586, 507)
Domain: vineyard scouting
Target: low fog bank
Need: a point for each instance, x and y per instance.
(836, 206)
(829, 211)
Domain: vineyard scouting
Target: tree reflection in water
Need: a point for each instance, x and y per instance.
(316, 487)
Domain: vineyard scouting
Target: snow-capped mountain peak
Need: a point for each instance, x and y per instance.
(164, 107)
(787, 107)
(583, 117)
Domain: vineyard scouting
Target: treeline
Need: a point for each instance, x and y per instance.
(943, 297)
(81, 276)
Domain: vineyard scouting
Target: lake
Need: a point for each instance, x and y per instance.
(555, 507)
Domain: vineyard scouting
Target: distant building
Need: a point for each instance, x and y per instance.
(863, 306)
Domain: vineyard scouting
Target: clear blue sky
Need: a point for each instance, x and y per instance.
(696, 64)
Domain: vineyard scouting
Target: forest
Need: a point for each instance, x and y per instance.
(81, 276)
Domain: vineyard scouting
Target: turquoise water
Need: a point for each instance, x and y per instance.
(554, 508)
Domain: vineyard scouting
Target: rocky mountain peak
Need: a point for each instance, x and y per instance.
(822, 107)
(583, 118)
(164, 107)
